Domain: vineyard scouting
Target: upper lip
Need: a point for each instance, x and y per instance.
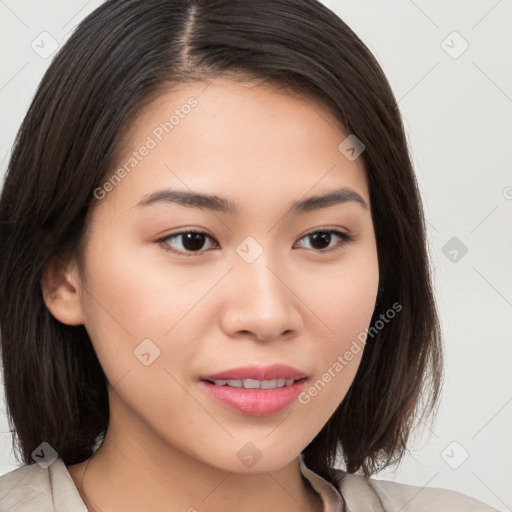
(270, 372)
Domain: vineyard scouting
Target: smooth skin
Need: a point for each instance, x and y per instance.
(169, 446)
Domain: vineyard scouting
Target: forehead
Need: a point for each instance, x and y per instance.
(234, 139)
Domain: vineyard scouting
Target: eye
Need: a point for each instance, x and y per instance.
(192, 242)
(321, 238)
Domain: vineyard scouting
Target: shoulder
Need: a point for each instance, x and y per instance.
(387, 496)
(21, 487)
(32, 487)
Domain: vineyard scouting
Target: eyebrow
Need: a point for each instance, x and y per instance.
(221, 205)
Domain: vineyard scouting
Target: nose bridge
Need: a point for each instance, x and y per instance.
(260, 301)
(255, 261)
(262, 284)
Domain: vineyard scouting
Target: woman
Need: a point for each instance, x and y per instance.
(214, 278)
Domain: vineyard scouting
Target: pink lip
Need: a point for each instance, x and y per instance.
(271, 372)
(255, 402)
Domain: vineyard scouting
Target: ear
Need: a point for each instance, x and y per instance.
(60, 285)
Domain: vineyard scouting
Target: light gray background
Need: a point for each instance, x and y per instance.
(457, 108)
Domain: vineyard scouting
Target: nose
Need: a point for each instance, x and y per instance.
(260, 302)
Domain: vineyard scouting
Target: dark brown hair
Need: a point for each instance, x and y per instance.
(123, 55)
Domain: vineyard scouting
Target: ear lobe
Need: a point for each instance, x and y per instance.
(61, 292)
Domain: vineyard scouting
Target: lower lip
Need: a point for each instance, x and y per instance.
(255, 402)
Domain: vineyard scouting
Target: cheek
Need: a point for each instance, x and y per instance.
(128, 301)
(343, 305)
(343, 298)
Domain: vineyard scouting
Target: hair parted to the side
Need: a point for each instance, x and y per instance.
(121, 57)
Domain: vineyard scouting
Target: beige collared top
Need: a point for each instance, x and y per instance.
(32, 488)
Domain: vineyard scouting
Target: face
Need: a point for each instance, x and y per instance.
(176, 289)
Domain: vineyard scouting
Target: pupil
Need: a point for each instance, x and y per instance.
(193, 241)
(323, 237)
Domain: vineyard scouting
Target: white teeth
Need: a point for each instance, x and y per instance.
(235, 383)
(255, 384)
(251, 384)
(268, 384)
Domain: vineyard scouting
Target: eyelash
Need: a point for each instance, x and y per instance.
(345, 239)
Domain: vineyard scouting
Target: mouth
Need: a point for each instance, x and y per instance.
(255, 391)
(251, 397)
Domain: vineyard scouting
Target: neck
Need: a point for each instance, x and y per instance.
(136, 471)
